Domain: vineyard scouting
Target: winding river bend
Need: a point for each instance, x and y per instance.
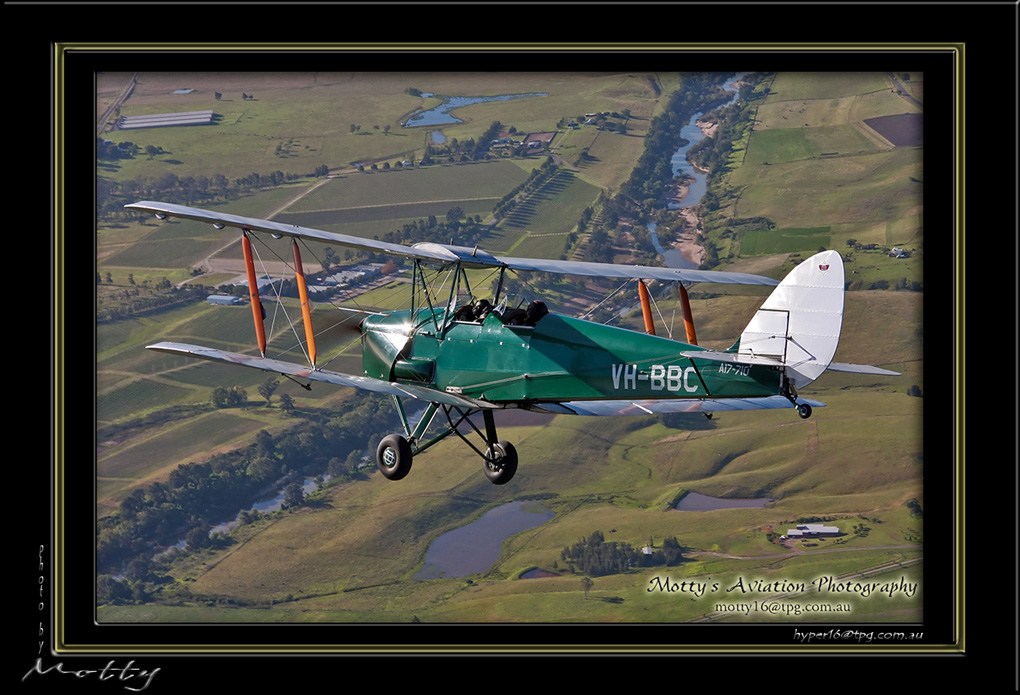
(696, 179)
(693, 134)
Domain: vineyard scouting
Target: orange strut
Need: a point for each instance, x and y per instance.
(685, 305)
(306, 313)
(646, 310)
(253, 292)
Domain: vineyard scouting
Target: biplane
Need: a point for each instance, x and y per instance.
(460, 356)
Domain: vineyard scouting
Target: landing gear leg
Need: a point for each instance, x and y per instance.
(500, 459)
(803, 409)
(396, 452)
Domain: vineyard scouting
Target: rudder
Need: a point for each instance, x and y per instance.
(800, 322)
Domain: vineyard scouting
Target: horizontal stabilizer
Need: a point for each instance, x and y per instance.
(667, 405)
(860, 369)
(738, 358)
(290, 369)
(732, 358)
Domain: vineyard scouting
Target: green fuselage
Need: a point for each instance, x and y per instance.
(559, 359)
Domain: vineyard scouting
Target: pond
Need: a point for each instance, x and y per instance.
(476, 547)
(440, 115)
(696, 502)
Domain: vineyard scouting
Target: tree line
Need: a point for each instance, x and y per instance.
(197, 495)
(596, 557)
(654, 173)
(186, 190)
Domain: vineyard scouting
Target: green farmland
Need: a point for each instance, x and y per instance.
(811, 174)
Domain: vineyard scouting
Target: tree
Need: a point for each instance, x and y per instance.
(586, 584)
(220, 397)
(293, 495)
(286, 403)
(262, 469)
(197, 537)
(915, 508)
(455, 214)
(237, 397)
(267, 388)
(110, 590)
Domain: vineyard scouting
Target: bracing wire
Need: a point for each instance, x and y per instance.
(608, 297)
(280, 306)
(669, 330)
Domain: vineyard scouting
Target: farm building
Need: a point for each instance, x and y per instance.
(262, 283)
(812, 531)
(360, 272)
(163, 120)
(536, 141)
(223, 299)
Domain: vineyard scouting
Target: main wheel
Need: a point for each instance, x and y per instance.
(804, 410)
(500, 462)
(394, 457)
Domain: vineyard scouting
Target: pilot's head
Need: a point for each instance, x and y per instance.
(482, 307)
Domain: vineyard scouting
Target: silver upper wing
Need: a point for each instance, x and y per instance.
(223, 219)
(634, 272)
(445, 253)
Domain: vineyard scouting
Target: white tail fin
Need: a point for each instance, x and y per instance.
(799, 324)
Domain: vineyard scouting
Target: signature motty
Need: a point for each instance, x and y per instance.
(126, 673)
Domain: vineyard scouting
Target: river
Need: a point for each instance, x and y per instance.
(693, 134)
(697, 181)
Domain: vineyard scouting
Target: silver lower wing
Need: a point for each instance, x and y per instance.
(677, 405)
(290, 369)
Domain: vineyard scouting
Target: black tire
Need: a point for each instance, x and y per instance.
(393, 457)
(500, 462)
(804, 410)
